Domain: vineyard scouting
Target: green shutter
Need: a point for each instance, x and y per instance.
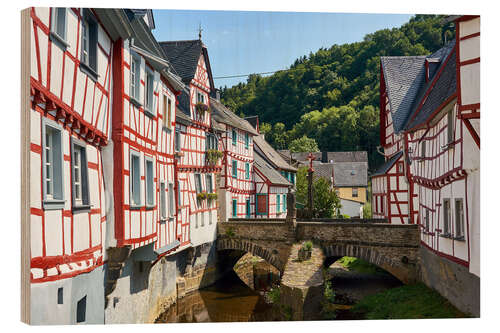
(278, 203)
(235, 208)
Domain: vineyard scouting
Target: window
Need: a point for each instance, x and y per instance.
(200, 98)
(163, 201)
(81, 309)
(293, 178)
(235, 169)
(150, 185)
(278, 203)
(261, 204)
(80, 175)
(89, 44)
(247, 141)
(171, 199)
(58, 28)
(400, 167)
(459, 218)
(247, 170)
(179, 194)
(149, 95)
(423, 152)
(135, 179)
(234, 136)
(209, 183)
(167, 112)
(211, 141)
(446, 217)
(177, 139)
(450, 126)
(354, 192)
(197, 182)
(52, 161)
(427, 222)
(135, 76)
(248, 208)
(60, 297)
(284, 203)
(235, 208)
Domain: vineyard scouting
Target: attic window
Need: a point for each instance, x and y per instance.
(353, 172)
(431, 66)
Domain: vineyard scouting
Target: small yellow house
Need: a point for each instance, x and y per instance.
(350, 181)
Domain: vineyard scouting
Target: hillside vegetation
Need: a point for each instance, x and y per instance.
(332, 95)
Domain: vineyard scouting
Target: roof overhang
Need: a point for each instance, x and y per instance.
(115, 21)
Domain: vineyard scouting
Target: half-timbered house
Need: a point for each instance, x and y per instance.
(72, 53)
(194, 137)
(236, 191)
(439, 159)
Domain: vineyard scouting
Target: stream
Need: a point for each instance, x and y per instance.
(232, 300)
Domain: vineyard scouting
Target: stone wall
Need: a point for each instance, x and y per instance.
(145, 290)
(451, 280)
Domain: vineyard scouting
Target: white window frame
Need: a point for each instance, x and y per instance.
(149, 180)
(171, 200)
(54, 34)
(135, 77)
(163, 201)
(355, 192)
(132, 174)
(149, 92)
(459, 220)
(81, 192)
(197, 183)
(446, 217)
(208, 177)
(53, 200)
(90, 62)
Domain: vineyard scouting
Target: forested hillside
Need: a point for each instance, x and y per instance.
(332, 95)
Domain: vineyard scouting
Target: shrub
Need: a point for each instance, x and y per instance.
(367, 211)
(307, 246)
(230, 232)
(213, 156)
(274, 295)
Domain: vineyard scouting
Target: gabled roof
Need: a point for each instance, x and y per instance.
(146, 14)
(184, 56)
(403, 77)
(269, 172)
(222, 114)
(350, 173)
(387, 165)
(434, 95)
(302, 156)
(264, 148)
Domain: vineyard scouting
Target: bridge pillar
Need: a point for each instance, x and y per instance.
(302, 285)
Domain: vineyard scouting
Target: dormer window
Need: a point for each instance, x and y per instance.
(431, 66)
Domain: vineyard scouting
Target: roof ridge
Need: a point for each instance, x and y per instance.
(179, 41)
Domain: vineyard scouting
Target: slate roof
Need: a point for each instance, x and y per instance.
(350, 174)
(302, 157)
(347, 156)
(265, 149)
(387, 165)
(132, 13)
(184, 102)
(184, 56)
(222, 114)
(269, 172)
(323, 170)
(444, 88)
(403, 77)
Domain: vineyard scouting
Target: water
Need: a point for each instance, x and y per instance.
(229, 300)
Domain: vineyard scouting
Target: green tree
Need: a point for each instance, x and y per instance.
(303, 144)
(326, 203)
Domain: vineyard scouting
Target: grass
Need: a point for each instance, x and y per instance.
(415, 301)
(360, 265)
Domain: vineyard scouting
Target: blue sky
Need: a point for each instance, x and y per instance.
(252, 42)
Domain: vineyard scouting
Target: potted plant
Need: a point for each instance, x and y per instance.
(211, 197)
(201, 196)
(213, 156)
(201, 108)
(305, 251)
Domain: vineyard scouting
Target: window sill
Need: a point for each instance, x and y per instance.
(53, 204)
(167, 129)
(92, 74)
(135, 207)
(59, 41)
(448, 146)
(81, 209)
(149, 113)
(135, 102)
(461, 238)
(150, 207)
(446, 235)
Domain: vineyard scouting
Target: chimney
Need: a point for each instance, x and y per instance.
(217, 94)
(324, 157)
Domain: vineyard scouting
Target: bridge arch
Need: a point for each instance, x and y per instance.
(398, 267)
(226, 245)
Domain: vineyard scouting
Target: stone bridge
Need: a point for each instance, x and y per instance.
(395, 248)
(392, 247)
